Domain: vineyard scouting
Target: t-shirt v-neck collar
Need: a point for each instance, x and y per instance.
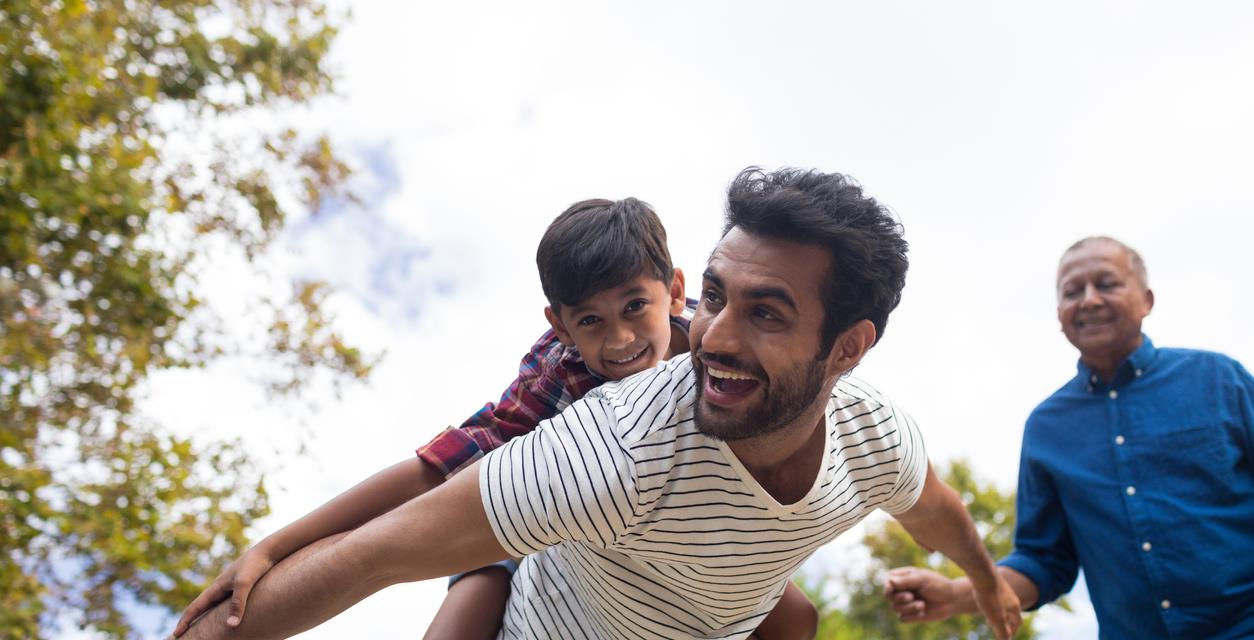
(767, 500)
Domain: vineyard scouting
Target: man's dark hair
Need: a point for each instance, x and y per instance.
(829, 210)
(598, 244)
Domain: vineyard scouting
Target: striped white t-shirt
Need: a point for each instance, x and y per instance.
(636, 525)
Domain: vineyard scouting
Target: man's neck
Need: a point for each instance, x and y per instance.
(786, 462)
(1106, 364)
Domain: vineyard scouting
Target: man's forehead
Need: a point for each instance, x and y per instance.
(755, 261)
(1098, 256)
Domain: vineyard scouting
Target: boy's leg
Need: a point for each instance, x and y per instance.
(474, 606)
(793, 618)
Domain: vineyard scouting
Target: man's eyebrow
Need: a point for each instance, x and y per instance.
(760, 293)
(773, 293)
(712, 277)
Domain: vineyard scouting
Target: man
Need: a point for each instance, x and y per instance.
(1139, 470)
(677, 502)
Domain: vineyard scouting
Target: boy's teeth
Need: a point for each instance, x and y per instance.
(727, 375)
(629, 358)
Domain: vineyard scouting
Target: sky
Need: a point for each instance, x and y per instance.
(997, 132)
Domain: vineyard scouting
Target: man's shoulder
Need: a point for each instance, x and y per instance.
(1197, 357)
(647, 403)
(852, 391)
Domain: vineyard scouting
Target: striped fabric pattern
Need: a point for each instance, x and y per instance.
(550, 377)
(639, 526)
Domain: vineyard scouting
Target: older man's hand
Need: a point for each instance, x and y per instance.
(920, 595)
(1000, 606)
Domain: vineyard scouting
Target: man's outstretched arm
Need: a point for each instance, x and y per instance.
(939, 520)
(441, 533)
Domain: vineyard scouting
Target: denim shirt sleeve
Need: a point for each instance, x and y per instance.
(1245, 405)
(1043, 552)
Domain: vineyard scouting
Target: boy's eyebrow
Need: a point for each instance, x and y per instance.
(634, 291)
(772, 293)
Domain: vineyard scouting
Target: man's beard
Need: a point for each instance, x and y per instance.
(784, 400)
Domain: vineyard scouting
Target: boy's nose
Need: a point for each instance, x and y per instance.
(619, 335)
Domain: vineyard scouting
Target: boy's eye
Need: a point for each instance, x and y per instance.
(588, 321)
(635, 305)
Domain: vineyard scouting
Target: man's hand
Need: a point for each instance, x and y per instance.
(236, 581)
(1000, 606)
(920, 595)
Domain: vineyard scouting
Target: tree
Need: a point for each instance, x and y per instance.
(135, 151)
(868, 616)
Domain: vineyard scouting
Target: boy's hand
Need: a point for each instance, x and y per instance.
(236, 581)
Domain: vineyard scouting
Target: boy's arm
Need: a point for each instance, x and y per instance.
(443, 532)
(939, 520)
(793, 618)
(375, 496)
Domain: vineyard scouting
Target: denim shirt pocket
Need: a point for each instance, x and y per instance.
(1193, 462)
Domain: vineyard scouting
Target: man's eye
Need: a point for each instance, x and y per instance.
(765, 314)
(711, 296)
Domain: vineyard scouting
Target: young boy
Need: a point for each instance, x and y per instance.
(616, 307)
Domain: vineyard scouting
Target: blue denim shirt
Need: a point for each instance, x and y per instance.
(1148, 484)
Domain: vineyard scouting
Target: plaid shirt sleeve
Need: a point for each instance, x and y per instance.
(550, 377)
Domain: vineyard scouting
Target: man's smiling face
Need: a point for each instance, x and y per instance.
(1101, 301)
(755, 336)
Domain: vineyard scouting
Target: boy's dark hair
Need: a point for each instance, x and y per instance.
(599, 244)
(828, 209)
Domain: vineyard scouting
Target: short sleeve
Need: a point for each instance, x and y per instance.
(913, 464)
(571, 480)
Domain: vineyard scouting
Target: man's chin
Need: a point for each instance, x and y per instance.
(722, 423)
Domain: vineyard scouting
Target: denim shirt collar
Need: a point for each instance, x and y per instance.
(1133, 367)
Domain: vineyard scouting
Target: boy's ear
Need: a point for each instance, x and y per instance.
(678, 293)
(559, 329)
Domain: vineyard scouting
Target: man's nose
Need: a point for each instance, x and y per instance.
(1091, 296)
(722, 335)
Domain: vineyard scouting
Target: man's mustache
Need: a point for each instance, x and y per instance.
(731, 362)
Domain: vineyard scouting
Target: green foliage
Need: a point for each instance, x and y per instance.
(867, 614)
(115, 194)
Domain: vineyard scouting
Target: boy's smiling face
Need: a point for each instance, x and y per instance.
(623, 330)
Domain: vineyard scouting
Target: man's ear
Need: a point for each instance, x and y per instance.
(1149, 300)
(678, 294)
(559, 329)
(851, 345)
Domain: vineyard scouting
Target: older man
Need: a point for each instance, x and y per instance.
(1140, 470)
(677, 502)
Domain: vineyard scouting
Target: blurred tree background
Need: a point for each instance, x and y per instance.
(141, 144)
(866, 615)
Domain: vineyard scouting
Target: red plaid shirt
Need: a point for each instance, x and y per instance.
(550, 377)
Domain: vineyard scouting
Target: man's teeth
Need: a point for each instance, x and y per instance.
(727, 375)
